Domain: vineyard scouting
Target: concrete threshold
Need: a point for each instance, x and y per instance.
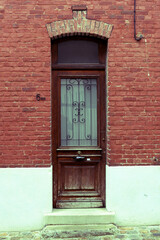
(79, 216)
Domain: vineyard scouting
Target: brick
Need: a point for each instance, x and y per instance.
(133, 77)
(78, 24)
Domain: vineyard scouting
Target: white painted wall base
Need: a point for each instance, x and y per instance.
(133, 193)
(25, 196)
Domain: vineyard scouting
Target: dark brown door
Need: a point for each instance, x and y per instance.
(79, 128)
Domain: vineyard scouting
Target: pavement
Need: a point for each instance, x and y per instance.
(87, 232)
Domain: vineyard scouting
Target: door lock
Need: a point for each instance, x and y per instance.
(79, 158)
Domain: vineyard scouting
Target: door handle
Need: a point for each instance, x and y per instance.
(79, 158)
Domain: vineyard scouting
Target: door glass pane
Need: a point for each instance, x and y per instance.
(78, 51)
(78, 112)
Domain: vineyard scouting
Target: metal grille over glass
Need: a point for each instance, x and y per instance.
(78, 112)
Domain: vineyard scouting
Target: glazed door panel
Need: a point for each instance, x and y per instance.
(78, 112)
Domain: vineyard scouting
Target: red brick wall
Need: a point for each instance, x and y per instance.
(133, 80)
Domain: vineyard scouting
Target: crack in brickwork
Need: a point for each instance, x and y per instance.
(79, 25)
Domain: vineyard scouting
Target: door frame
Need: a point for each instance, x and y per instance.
(70, 70)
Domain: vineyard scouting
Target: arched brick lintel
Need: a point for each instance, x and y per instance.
(79, 25)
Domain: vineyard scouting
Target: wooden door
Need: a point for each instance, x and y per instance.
(78, 130)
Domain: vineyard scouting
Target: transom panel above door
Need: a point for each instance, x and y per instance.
(79, 128)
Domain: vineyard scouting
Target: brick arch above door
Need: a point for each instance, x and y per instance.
(79, 25)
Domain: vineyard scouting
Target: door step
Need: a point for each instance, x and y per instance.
(79, 216)
(78, 231)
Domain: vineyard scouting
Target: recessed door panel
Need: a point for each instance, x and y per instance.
(78, 177)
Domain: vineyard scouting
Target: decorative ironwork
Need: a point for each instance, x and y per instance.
(79, 112)
(69, 87)
(78, 81)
